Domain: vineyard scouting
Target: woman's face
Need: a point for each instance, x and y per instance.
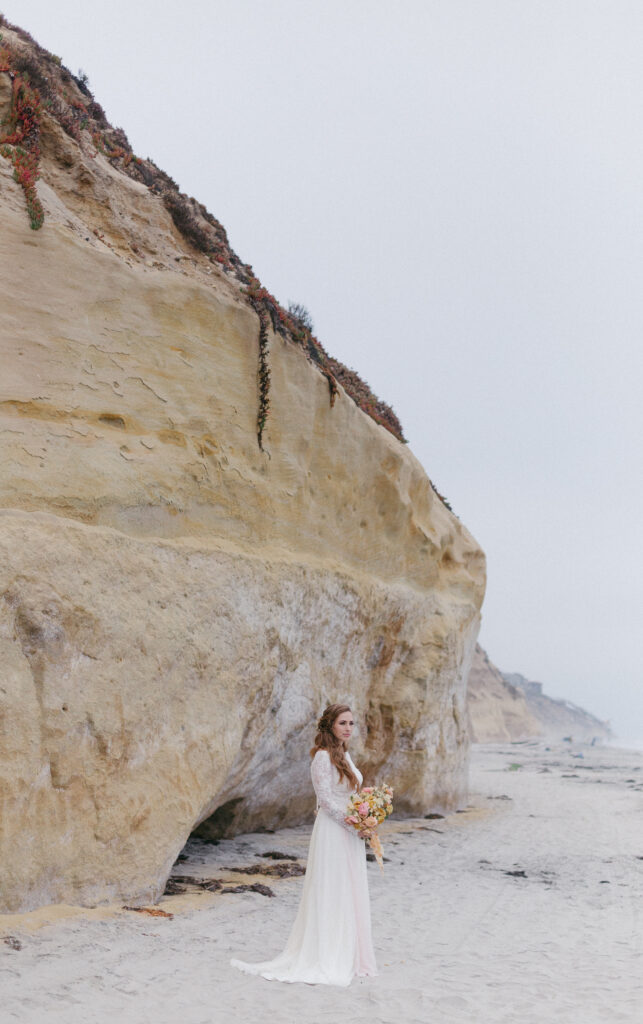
(343, 726)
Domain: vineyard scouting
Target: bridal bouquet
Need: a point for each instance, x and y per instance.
(368, 809)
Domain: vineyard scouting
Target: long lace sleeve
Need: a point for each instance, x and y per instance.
(321, 771)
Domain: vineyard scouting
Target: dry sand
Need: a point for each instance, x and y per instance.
(525, 908)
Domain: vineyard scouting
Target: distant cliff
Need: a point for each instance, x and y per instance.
(497, 711)
(506, 706)
(208, 530)
(559, 718)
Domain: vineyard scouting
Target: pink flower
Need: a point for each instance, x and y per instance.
(367, 789)
(363, 809)
(370, 821)
(354, 820)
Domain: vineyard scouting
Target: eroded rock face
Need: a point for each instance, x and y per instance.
(176, 607)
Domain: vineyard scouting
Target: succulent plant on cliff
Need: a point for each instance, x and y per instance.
(264, 378)
(259, 297)
(20, 140)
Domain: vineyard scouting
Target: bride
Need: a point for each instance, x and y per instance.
(330, 939)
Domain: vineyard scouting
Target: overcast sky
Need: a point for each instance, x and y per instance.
(454, 189)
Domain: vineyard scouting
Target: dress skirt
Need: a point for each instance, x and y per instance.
(330, 941)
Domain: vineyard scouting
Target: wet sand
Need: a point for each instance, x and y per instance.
(525, 907)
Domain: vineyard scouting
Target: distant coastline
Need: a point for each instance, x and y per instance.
(625, 743)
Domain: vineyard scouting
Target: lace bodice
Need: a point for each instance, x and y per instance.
(332, 793)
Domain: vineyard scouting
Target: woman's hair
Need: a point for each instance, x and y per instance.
(327, 740)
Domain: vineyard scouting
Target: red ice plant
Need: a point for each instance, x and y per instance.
(22, 143)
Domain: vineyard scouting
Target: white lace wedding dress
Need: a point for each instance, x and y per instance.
(330, 940)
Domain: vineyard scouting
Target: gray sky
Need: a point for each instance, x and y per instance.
(455, 191)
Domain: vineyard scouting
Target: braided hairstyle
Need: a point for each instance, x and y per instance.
(327, 740)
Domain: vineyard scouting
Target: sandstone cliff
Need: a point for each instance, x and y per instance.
(178, 603)
(503, 706)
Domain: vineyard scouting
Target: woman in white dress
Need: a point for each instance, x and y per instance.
(330, 941)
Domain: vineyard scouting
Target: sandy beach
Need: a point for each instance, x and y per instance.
(524, 907)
